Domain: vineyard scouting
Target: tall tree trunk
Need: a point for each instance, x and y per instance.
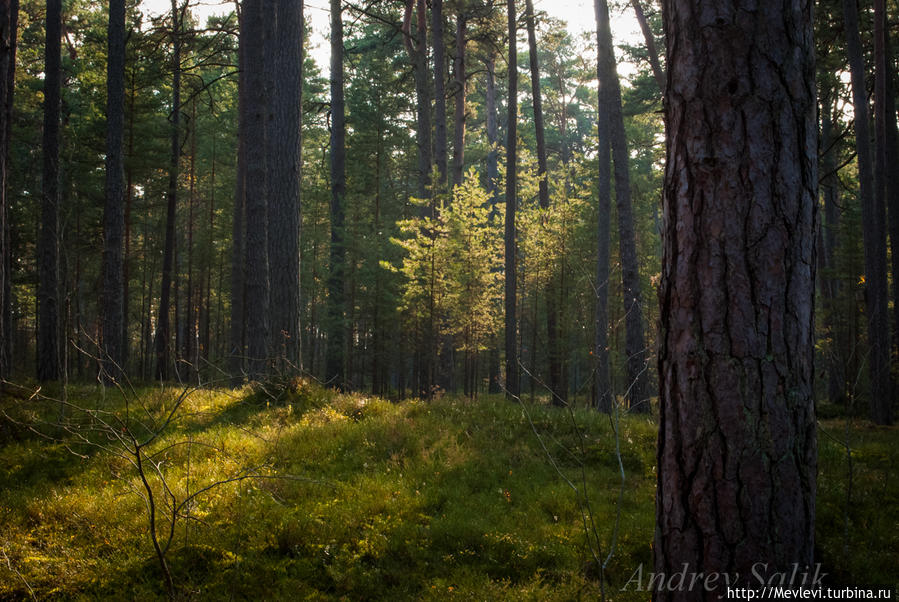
(602, 379)
(737, 448)
(828, 284)
(459, 115)
(635, 341)
(163, 334)
(493, 370)
(888, 152)
(48, 351)
(418, 54)
(511, 274)
(873, 228)
(336, 362)
(113, 314)
(558, 394)
(237, 331)
(657, 72)
(440, 153)
(257, 274)
(9, 16)
(284, 187)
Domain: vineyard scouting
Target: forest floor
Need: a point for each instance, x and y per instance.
(318, 495)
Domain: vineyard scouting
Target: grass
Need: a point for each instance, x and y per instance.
(355, 497)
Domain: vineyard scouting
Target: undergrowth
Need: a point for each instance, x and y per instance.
(358, 498)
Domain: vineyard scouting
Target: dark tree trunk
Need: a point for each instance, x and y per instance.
(737, 449)
(459, 114)
(651, 49)
(635, 341)
(558, 394)
(284, 187)
(257, 274)
(836, 385)
(873, 228)
(113, 314)
(9, 10)
(335, 365)
(418, 53)
(888, 155)
(163, 334)
(602, 389)
(237, 332)
(511, 284)
(48, 351)
(492, 188)
(440, 153)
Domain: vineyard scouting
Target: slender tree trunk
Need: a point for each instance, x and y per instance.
(602, 379)
(558, 395)
(635, 341)
(440, 153)
(493, 370)
(284, 186)
(885, 118)
(48, 350)
(9, 10)
(163, 334)
(113, 314)
(237, 330)
(459, 116)
(257, 273)
(828, 284)
(737, 449)
(418, 54)
(336, 362)
(657, 72)
(873, 227)
(511, 284)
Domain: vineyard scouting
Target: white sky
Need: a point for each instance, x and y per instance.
(577, 13)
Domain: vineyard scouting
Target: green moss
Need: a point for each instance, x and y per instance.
(366, 499)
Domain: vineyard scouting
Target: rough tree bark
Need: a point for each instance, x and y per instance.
(114, 216)
(284, 186)
(335, 372)
(873, 227)
(737, 448)
(511, 284)
(48, 365)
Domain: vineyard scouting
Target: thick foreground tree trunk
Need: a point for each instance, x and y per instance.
(8, 22)
(737, 448)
